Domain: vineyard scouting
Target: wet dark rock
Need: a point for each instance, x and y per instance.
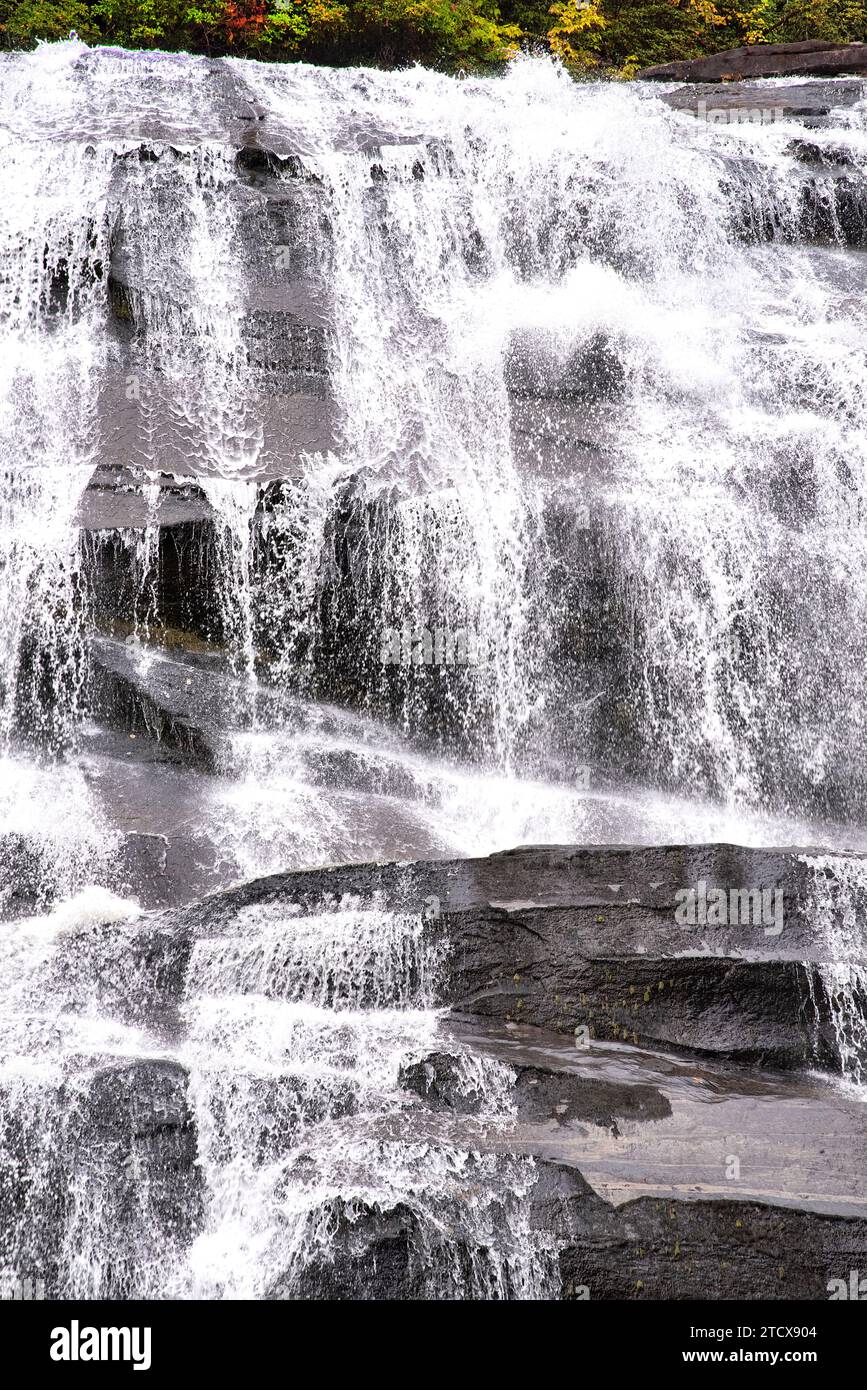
(520, 967)
(165, 870)
(143, 1102)
(602, 680)
(114, 500)
(166, 702)
(389, 1252)
(258, 160)
(587, 938)
(287, 395)
(187, 702)
(544, 1094)
(135, 970)
(709, 1250)
(157, 870)
(644, 879)
(176, 599)
(822, 155)
(754, 1134)
(539, 1094)
(136, 1126)
(27, 875)
(370, 1257)
(812, 58)
(439, 1080)
(278, 1109)
(834, 205)
(112, 1152)
(643, 1249)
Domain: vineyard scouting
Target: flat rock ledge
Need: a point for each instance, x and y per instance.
(812, 58)
(573, 938)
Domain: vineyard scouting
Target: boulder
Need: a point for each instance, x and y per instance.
(809, 102)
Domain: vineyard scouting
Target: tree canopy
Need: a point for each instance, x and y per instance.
(610, 37)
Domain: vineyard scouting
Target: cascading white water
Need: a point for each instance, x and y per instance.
(532, 221)
(54, 251)
(308, 1020)
(53, 257)
(187, 379)
(595, 400)
(839, 907)
(468, 245)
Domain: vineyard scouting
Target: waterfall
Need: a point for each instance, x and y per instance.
(54, 253)
(482, 462)
(310, 1018)
(838, 906)
(485, 294)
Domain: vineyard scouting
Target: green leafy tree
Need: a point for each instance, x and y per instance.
(591, 37)
(23, 23)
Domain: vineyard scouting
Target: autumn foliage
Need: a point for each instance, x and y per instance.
(614, 37)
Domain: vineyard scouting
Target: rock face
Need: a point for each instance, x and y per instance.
(812, 58)
(524, 966)
(738, 102)
(572, 938)
(610, 1202)
(518, 1075)
(157, 539)
(708, 1250)
(26, 877)
(170, 706)
(363, 1238)
(646, 1249)
(188, 706)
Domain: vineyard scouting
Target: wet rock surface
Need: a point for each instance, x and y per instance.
(811, 58)
(655, 1123)
(575, 938)
(522, 1074)
(810, 102)
(631, 1192)
(709, 1250)
(647, 1247)
(537, 1093)
(714, 1250)
(363, 1238)
(644, 1250)
(119, 1157)
(186, 706)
